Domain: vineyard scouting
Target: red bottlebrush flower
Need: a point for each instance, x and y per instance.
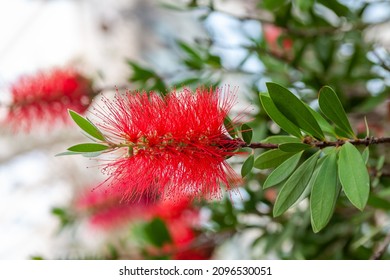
(46, 96)
(106, 209)
(176, 145)
(272, 34)
(181, 219)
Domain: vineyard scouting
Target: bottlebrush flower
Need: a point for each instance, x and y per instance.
(44, 98)
(106, 210)
(175, 145)
(181, 219)
(272, 34)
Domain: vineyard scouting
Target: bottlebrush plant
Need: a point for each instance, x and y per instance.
(42, 98)
(176, 145)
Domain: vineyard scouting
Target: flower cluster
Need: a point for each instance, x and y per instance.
(174, 146)
(46, 96)
(106, 210)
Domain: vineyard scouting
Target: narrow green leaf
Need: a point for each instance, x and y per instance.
(271, 159)
(353, 175)
(294, 147)
(247, 133)
(283, 171)
(378, 202)
(190, 51)
(295, 185)
(279, 139)
(66, 154)
(88, 148)
(278, 117)
(331, 107)
(294, 110)
(229, 125)
(86, 125)
(366, 155)
(92, 154)
(324, 193)
(247, 166)
(310, 184)
(380, 163)
(324, 124)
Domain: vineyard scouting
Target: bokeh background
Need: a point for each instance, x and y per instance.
(189, 43)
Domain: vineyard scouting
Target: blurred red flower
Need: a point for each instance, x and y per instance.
(181, 219)
(43, 98)
(106, 210)
(272, 34)
(174, 146)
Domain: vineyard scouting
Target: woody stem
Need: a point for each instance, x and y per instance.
(323, 144)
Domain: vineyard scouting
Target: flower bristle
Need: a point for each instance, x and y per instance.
(178, 142)
(43, 98)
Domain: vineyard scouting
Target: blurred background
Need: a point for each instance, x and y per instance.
(46, 207)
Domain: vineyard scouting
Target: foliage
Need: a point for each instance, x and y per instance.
(325, 184)
(315, 180)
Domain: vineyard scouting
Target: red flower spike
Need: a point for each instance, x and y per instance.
(44, 98)
(176, 145)
(106, 210)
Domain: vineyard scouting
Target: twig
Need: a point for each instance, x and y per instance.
(381, 249)
(322, 144)
(382, 62)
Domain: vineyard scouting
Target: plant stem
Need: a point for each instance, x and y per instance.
(322, 144)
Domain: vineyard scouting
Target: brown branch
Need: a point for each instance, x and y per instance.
(322, 144)
(381, 249)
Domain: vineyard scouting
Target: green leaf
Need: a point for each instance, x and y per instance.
(230, 127)
(353, 175)
(380, 163)
(90, 155)
(278, 117)
(190, 51)
(88, 148)
(86, 125)
(366, 155)
(324, 124)
(247, 133)
(157, 233)
(378, 202)
(67, 154)
(295, 185)
(304, 5)
(293, 147)
(336, 7)
(270, 159)
(324, 193)
(283, 171)
(247, 166)
(331, 107)
(279, 139)
(272, 4)
(310, 184)
(294, 110)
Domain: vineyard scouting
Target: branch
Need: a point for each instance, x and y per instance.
(322, 144)
(381, 249)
